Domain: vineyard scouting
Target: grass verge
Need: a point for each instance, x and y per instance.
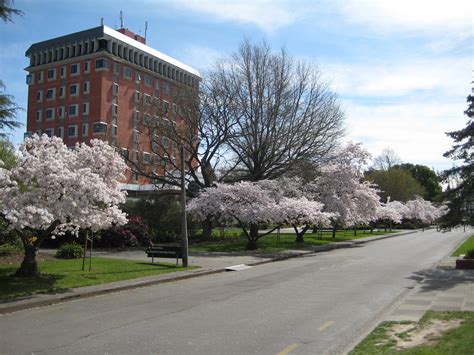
(60, 275)
(271, 243)
(458, 340)
(465, 247)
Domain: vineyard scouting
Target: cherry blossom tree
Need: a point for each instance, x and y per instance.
(302, 214)
(340, 188)
(392, 212)
(254, 203)
(425, 211)
(245, 202)
(53, 189)
(297, 206)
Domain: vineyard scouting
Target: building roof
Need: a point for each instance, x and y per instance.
(107, 33)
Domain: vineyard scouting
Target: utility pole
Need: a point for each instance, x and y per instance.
(184, 224)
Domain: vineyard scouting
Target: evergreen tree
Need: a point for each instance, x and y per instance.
(461, 197)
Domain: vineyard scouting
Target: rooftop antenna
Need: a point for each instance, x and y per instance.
(101, 21)
(121, 19)
(146, 28)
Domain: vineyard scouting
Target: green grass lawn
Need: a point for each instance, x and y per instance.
(270, 243)
(59, 275)
(465, 247)
(455, 341)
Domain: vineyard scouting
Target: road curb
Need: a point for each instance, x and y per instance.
(97, 290)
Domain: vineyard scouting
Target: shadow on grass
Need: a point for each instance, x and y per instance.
(19, 288)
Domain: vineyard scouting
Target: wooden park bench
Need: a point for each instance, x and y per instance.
(164, 251)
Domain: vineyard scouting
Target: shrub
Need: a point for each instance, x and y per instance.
(70, 251)
(134, 233)
(469, 254)
(8, 249)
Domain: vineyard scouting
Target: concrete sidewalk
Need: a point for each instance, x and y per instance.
(210, 263)
(442, 288)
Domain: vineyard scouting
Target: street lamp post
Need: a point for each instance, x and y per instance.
(184, 224)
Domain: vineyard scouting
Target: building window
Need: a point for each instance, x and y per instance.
(50, 94)
(166, 107)
(124, 153)
(74, 69)
(135, 156)
(115, 89)
(138, 76)
(39, 77)
(85, 129)
(51, 74)
(99, 127)
(146, 120)
(135, 137)
(61, 132)
(39, 95)
(49, 132)
(86, 87)
(61, 112)
(62, 92)
(87, 67)
(49, 114)
(114, 109)
(74, 90)
(127, 73)
(72, 131)
(147, 80)
(146, 157)
(62, 72)
(73, 110)
(101, 64)
(114, 130)
(116, 68)
(85, 108)
(29, 79)
(147, 99)
(137, 97)
(166, 88)
(39, 115)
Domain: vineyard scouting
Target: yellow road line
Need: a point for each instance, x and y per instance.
(326, 326)
(288, 349)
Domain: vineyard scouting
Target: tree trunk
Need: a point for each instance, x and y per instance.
(206, 229)
(252, 237)
(334, 232)
(29, 265)
(299, 237)
(300, 233)
(355, 232)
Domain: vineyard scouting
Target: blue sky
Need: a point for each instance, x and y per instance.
(402, 68)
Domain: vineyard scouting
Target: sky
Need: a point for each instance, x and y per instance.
(402, 68)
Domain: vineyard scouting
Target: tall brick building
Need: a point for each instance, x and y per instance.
(96, 84)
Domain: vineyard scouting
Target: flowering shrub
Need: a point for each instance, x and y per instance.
(135, 232)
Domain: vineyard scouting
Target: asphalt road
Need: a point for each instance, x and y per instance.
(311, 305)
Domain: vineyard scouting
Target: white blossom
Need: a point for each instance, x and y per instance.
(76, 188)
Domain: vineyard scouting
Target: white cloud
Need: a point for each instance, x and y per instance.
(265, 14)
(415, 131)
(420, 15)
(201, 57)
(448, 76)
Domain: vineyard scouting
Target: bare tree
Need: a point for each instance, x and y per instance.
(386, 160)
(285, 113)
(199, 120)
